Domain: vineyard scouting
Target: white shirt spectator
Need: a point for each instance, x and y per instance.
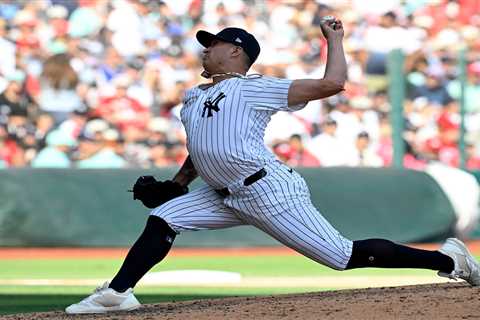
(7, 56)
(282, 126)
(329, 150)
(127, 29)
(349, 125)
(383, 40)
(367, 158)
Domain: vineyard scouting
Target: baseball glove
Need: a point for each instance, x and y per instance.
(153, 193)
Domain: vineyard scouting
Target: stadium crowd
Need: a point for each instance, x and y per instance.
(99, 84)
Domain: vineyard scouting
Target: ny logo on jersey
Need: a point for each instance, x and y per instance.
(212, 105)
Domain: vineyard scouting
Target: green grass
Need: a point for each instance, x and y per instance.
(294, 266)
(17, 299)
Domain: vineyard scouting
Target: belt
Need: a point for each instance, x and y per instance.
(248, 181)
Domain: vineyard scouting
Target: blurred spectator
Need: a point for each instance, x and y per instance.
(327, 147)
(364, 156)
(44, 123)
(433, 90)
(85, 19)
(120, 109)
(74, 124)
(379, 40)
(444, 146)
(14, 101)
(300, 156)
(58, 88)
(158, 143)
(98, 150)
(354, 116)
(26, 39)
(3, 146)
(55, 155)
(473, 156)
(7, 50)
(472, 90)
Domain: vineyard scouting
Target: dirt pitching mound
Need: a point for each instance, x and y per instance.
(435, 301)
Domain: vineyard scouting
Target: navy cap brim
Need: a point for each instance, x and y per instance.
(205, 38)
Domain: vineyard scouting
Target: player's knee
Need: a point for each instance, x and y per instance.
(337, 264)
(340, 262)
(158, 227)
(338, 267)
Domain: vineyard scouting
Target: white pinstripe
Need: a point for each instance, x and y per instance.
(227, 147)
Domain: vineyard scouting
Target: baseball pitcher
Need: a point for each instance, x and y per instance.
(245, 184)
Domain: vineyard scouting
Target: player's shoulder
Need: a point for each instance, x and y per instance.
(258, 78)
(253, 80)
(190, 95)
(189, 91)
(261, 82)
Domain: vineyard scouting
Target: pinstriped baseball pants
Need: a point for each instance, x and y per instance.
(278, 204)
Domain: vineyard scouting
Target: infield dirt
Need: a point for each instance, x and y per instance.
(435, 301)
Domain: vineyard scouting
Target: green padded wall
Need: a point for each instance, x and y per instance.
(56, 207)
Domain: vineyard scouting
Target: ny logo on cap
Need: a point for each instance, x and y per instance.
(212, 105)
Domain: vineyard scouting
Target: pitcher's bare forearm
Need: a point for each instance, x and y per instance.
(186, 174)
(336, 69)
(305, 90)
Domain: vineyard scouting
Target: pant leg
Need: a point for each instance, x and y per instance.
(197, 210)
(280, 205)
(201, 209)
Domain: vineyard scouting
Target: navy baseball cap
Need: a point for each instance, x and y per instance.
(236, 36)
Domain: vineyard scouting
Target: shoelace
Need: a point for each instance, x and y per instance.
(102, 287)
(97, 290)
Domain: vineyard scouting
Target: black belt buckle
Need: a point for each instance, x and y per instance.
(255, 177)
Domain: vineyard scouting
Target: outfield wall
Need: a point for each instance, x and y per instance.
(56, 207)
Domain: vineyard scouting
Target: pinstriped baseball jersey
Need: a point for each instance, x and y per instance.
(225, 125)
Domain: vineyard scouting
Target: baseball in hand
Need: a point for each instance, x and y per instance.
(328, 18)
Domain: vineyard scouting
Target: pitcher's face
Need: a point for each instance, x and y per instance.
(215, 57)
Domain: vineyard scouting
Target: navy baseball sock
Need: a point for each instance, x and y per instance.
(150, 248)
(380, 253)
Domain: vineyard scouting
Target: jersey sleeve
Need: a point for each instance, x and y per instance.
(268, 93)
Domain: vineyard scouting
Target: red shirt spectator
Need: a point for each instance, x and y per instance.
(27, 40)
(122, 110)
(298, 156)
(385, 151)
(473, 159)
(441, 142)
(450, 155)
(303, 159)
(473, 163)
(448, 120)
(410, 162)
(9, 152)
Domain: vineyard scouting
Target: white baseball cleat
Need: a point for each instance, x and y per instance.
(466, 267)
(105, 299)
